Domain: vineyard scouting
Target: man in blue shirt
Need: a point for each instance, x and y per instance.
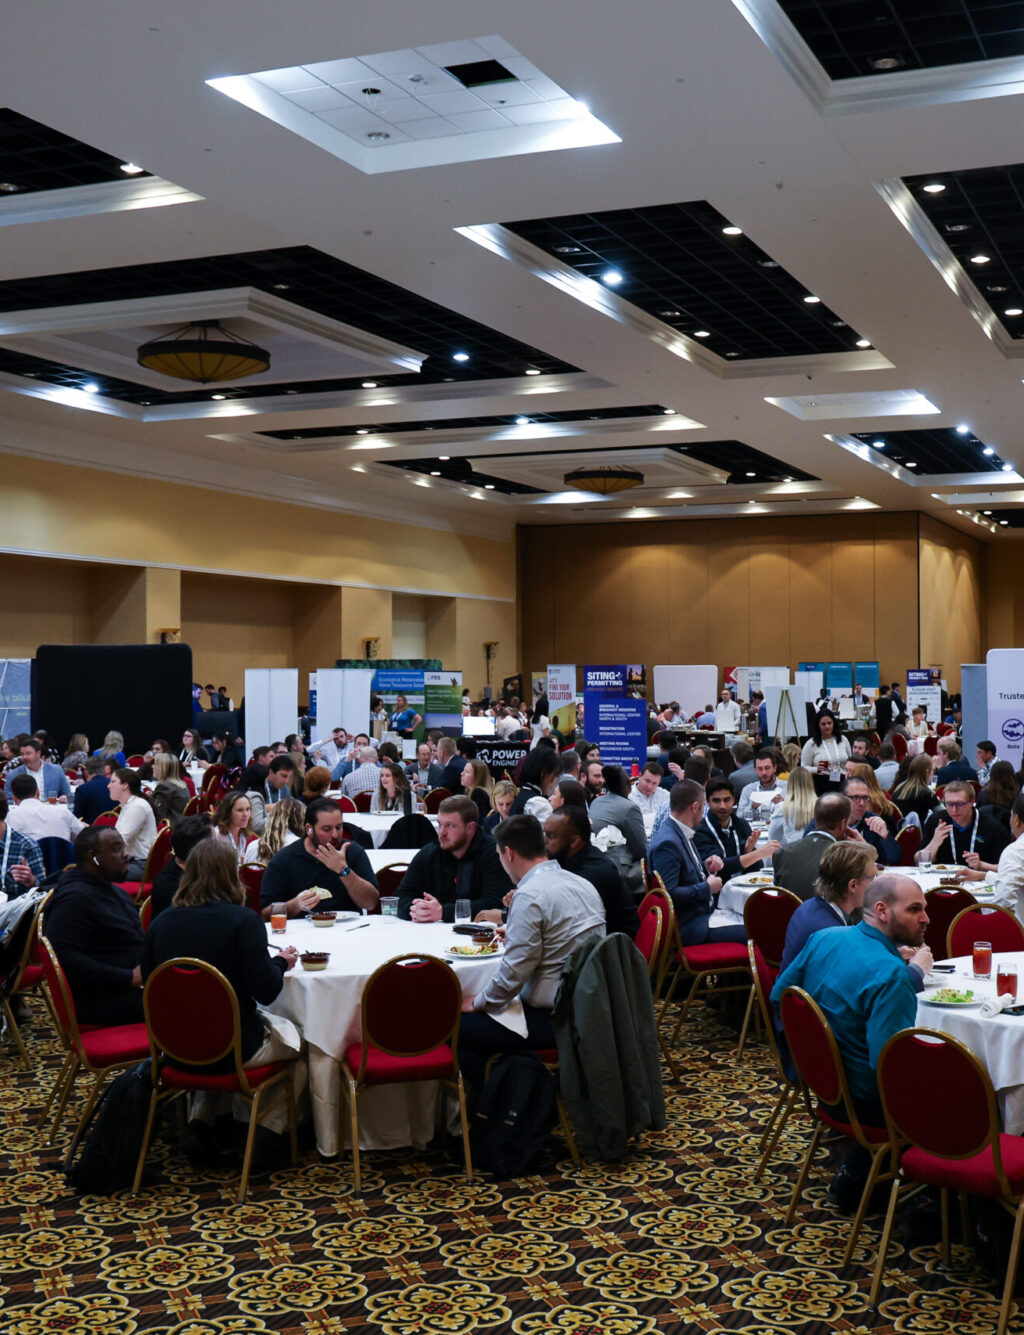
(862, 984)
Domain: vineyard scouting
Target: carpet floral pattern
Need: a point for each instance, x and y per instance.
(677, 1239)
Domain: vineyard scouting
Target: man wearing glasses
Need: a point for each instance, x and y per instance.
(868, 825)
(962, 832)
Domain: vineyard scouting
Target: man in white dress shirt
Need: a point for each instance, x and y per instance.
(649, 795)
(1009, 891)
(760, 798)
(38, 820)
(727, 713)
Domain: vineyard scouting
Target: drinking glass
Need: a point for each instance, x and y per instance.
(983, 959)
(463, 910)
(1006, 980)
(389, 906)
(278, 918)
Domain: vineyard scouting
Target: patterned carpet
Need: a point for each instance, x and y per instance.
(677, 1239)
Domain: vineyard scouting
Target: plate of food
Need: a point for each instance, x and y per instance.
(952, 996)
(754, 880)
(475, 950)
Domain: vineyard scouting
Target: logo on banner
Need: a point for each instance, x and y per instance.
(1013, 730)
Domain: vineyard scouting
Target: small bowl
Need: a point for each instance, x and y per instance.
(323, 917)
(483, 938)
(314, 961)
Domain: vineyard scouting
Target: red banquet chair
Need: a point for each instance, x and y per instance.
(766, 916)
(792, 1088)
(984, 922)
(943, 904)
(703, 965)
(930, 746)
(344, 803)
(27, 976)
(909, 840)
(410, 1031)
(957, 1147)
(362, 801)
(815, 1054)
(899, 745)
(107, 818)
(212, 776)
(100, 1050)
(433, 799)
(146, 913)
(389, 878)
(251, 876)
(654, 938)
(175, 993)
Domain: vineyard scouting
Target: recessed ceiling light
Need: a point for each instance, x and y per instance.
(363, 431)
(568, 250)
(369, 384)
(702, 333)
(962, 429)
(282, 287)
(1004, 522)
(911, 463)
(670, 412)
(787, 479)
(863, 343)
(9, 187)
(732, 354)
(878, 444)
(751, 475)
(444, 457)
(611, 278)
(988, 451)
(532, 370)
(131, 169)
(933, 188)
(218, 396)
(488, 486)
(460, 356)
(91, 388)
(377, 136)
(996, 287)
(986, 512)
(812, 301)
(435, 472)
(1007, 468)
(670, 315)
(981, 259)
(732, 231)
(1013, 310)
(886, 62)
(768, 264)
(522, 421)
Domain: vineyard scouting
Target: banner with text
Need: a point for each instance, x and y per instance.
(15, 695)
(499, 756)
(442, 699)
(923, 690)
(839, 678)
(1006, 703)
(867, 677)
(562, 696)
(389, 683)
(617, 723)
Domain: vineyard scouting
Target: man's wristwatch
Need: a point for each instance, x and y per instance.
(345, 871)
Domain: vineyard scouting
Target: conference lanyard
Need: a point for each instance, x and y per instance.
(974, 835)
(7, 849)
(716, 831)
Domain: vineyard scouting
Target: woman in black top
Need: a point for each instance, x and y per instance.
(208, 920)
(1000, 793)
(224, 752)
(477, 784)
(192, 748)
(914, 793)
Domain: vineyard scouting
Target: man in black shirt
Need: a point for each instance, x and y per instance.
(463, 864)
(567, 842)
(961, 832)
(93, 926)
(324, 859)
(188, 832)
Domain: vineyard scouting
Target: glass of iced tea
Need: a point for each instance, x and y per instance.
(1006, 980)
(278, 917)
(982, 959)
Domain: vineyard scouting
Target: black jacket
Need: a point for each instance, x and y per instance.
(93, 798)
(477, 876)
(602, 873)
(165, 887)
(732, 839)
(94, 928)
(234, 940)
(992, 836)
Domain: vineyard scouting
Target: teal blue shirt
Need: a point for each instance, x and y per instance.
(862, 984)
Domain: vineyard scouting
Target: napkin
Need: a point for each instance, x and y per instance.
(512, 1017)
(608, 837)
(991, 1006)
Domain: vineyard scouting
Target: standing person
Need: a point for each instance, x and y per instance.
(551, 912)
(884, 711)
(136, 823)
(540, 724)
(824, 753)
(404, 720)
(727, 713)
(233, 822)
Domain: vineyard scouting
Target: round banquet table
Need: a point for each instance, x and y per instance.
(326, 1007)
(998, 1042)
(386, 857)
(378, 824)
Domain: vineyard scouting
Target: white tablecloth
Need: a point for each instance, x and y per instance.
(385, 857)
(997, 1042)
(326, 1007)
(378, 824)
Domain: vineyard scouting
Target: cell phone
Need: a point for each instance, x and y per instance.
(1013, 1010)
(471, 928)
(943, 968)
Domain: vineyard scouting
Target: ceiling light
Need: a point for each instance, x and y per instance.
(670, 412)
(203, 351)
(377, 136)
(131, 169)
(1013, 310)
(751, 475)
(883, 63)
(812, 301)
(369, 384)
(996, 287)
(568, 250)
(768, 264)
(732, 231)
(933, 188)
(444, 458)
(878, 444)
(732, 354)
(611, 278)
(911, 463)
(488, 486)
(1007, 468)
(670, 315)
(435, 472)
(218, 396)
(604, 481)
(460, 356)
(91, 388)
(988, 451)
(702, 333)
(981, 259)
(962, 429)
(531, 370)
(522, 421)
(362, 431)
(986, 512)
(1004, 522)
(957, 227)
(863, 343)
(9, 187)
(282, 287)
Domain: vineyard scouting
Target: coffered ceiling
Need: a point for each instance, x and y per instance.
(767, 254)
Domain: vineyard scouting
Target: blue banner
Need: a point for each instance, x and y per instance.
(811, 667)
(617, 723)
(606, 681)
(838, 677)
(15, 696)
(389, 682)
(866, 676)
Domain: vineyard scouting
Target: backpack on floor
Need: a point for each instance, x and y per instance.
(514, 1116)
(110, 1144)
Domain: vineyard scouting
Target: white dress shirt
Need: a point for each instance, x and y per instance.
(757, 803)
(38, 820)
(649, 806)
(727, 716)
(1009, 892)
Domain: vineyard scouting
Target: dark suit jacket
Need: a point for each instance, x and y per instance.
(796, 865)
(691, 895)
(435, 773)
(93, 798)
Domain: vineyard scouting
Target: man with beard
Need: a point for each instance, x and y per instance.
(463, 864)
(324, 859)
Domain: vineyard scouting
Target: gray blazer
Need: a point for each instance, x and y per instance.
(610, 809)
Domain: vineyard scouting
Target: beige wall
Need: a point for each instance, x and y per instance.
(952, 598)
(724, 591)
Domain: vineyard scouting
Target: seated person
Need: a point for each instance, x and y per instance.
(692, 883)
(92, 798)
(348, 762)
(136, 823)
(1009, 891)
(648, 794)
(283, 780)
(961, 832)
(38, 820)
(503, 795)
(796, 865)
(744, 771)
(955, 767)
(325, 860)
(188, 832)
(49, 778)
(424, 773)
(94, 928)
(224, 751)
(868, 825)
(723, 834)
(762, 798)
(463, 864)
(888, 767)
(551, 912)
(567, 840)
(541, 770)
(860, 752)
(613, 807)
(20, 858)
(365, 778)
(984, 754)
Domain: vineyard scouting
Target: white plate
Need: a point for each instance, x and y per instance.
(473, 959)
(951, 1005)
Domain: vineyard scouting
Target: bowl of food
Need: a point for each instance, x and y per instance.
(314, 961)
(483, 937)
(323, 917)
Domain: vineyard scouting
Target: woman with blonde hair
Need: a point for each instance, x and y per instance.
(317, 781)
(914, 794)
(285, 824)
(112, 748)
(790, 759)
(877, 800)
(796, 809)
(170, 794)
(503, 794)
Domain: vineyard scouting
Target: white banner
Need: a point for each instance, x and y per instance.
(1006, 703)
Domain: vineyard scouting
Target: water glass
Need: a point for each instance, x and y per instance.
(463, 910)
(389, 906)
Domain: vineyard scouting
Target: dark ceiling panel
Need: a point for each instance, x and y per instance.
(677, 263)
(944, 450)
(857, 37)
(1005, 518)
(303, 276)
(33, 157)
(464, 423)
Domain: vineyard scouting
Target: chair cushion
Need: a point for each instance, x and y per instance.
(32, 977)
(876, 1134)
(382, 1069)
(549, 1056)
(721, 955)
(130, 888)
(112, 1044)
(975, 1175)
(175, 1077)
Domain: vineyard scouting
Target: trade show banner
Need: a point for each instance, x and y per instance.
(271, 704)
(538, 685)
(562, 696)
(1005, 702)
(974, 700)
(442, 699)
(923, 689)
(811, 667)
(15, 695)
(615, 722)
(867, 677)
(499, 756)
(839, 678)
(389, 683)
